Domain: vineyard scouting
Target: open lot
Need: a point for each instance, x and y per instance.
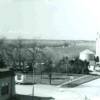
(65, 80)
(86, 91)
(57, 78)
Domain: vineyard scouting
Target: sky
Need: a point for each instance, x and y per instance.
(50, 19)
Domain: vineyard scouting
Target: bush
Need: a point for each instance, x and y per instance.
(76, 66)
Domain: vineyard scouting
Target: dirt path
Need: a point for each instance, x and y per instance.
(79, 81)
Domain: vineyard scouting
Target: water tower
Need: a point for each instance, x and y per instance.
(98, 45)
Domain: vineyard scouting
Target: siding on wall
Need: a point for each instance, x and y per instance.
(7, 80)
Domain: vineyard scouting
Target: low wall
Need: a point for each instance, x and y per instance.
(26, 97)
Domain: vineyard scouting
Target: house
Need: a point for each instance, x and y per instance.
(87, 55)
(7, 84)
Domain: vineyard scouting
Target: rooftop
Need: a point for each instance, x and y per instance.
(87, 51)
(4, 69)
(6, 72)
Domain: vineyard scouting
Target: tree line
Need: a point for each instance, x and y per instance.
(20, 57)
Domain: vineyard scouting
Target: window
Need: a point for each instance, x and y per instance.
(5, 90)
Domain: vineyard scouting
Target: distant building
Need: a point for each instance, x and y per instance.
(7, 84)
(87, 55)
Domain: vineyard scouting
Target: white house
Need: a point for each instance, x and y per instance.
(87, 55)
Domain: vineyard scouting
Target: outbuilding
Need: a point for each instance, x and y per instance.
(7, 84)
(87, 55)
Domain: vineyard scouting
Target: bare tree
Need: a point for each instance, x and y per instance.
(16, 54)
(49, 69)
(11, 55)
(34, 53)
(3, 49)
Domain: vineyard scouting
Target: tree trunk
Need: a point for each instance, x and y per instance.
(50, 78)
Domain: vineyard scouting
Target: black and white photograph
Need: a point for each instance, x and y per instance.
(49, 49)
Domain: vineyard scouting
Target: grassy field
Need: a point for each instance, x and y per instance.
(62, 80)
(79, 81)
(57, 49)
(57, 79)
(71, 51)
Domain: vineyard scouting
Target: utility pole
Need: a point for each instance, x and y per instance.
(33, 80)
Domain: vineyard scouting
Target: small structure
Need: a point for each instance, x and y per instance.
(98, 45)
(7, 84)
(87, 55)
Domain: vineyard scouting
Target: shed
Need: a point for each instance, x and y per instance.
(87, 55)
(7, 83)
